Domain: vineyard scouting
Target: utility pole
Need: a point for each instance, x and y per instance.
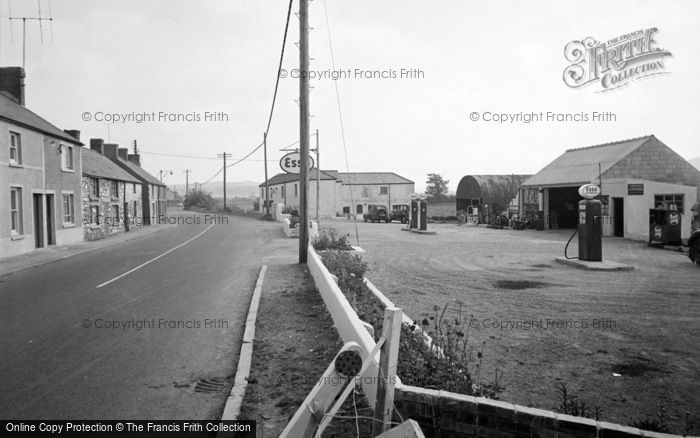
(167, 172)
(303, 128)
(318, 179)
(187, 181)
(267, 187)
(224, 156)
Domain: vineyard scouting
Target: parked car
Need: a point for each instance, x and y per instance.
(694, 239)
(399, 212)
(377, 213)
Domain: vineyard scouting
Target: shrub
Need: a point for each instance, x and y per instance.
(330, 240)
(199, 199)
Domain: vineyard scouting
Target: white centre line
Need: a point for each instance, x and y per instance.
(153, 259)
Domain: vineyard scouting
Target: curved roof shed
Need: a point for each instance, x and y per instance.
(489, 189)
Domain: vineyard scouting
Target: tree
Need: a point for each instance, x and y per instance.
(436, 187)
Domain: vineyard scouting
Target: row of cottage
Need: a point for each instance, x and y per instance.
(60, 192)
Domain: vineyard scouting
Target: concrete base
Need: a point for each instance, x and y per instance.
(413, 230)
(605, 265)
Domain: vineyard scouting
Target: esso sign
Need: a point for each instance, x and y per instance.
(589, 191)
(291, 162)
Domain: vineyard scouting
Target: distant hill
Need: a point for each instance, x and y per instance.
(695, 162)
(241, 189)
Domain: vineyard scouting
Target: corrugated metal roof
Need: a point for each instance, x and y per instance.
(370, 178)
(14, 112)
(580, 166)
(97, 165)
(492, 188)
(282, 178)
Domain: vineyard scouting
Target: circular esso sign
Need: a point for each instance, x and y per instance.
(589, 191)
(422, 196)
(291, 162)
(413, 196)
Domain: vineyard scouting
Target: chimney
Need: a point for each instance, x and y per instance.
(73, 133)
(12, 81)
(123, 153)
(96, 144)
(110, 150)
(135, 158)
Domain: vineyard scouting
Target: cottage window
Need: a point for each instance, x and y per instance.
(94, 215)
(95, 187)
(15, 148)
(68, 209)
(114, 189)
(346, 210)
(67, 157)
(115, 214)
(669, 202)
(15, 211)
(384, 190)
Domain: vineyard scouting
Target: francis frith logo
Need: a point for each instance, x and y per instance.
(616, 62)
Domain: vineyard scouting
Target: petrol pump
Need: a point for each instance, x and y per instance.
(419, 212)
(590, 227)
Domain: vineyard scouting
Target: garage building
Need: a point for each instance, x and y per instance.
(635, 175)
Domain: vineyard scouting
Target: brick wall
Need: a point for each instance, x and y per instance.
(447, 415)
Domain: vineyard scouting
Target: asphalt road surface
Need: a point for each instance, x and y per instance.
(134, 347)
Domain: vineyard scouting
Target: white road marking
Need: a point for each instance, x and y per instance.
(153, 259)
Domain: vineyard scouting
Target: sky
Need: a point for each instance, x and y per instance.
(187, 58)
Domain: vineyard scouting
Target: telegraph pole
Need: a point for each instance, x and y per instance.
(318, 178)
(187, 181)
(303, 128)
(224, 156)
(267, 187)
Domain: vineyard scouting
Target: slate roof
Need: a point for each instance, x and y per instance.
(97, 165)
(369, 178)
(580, 166)
(139, 172)
(13, 112)
(282, 178)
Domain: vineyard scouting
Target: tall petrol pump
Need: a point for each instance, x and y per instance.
(590, 227)
(419, 212)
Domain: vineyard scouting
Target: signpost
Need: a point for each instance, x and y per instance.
(291, 162)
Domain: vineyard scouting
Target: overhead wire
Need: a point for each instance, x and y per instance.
(274, 95)
(340, 117)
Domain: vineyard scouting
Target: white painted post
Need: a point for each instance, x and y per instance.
(388, 361)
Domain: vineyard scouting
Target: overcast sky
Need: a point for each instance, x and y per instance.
(474, 56)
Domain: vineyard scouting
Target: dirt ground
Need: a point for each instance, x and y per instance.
(625, 342)
(295, 341)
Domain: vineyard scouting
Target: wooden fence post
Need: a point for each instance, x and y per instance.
(386, 378)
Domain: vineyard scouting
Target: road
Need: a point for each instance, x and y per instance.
(134, 347)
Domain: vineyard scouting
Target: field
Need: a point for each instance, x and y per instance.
(625, 342)
(442, 209)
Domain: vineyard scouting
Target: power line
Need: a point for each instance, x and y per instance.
(279, 68)
(274, 95)
(340, 117)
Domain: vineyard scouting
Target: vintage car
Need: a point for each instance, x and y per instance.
(399, 212)
(694, 239)
(377, 213)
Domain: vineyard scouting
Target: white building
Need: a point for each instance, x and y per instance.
(635, 175)
(340, 194)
